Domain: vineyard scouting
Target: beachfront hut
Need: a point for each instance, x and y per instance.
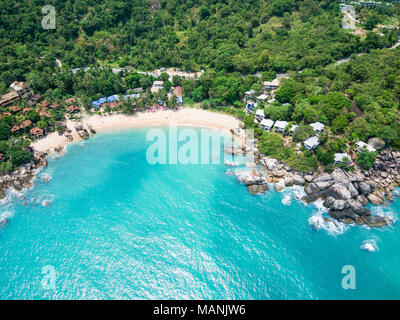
(362, 146)
(260, 114)
(317, 126)
(267, 124)
(293, 129)
(280, 126)
(72, 109)
(36, 132)
(311, 143)
(342, 158)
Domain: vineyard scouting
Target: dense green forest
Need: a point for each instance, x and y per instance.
(239, 44)
(243, 36)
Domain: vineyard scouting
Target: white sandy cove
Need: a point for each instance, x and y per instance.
(187, 116)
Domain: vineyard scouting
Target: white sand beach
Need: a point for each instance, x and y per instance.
(186, 116)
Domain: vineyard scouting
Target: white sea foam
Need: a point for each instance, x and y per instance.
(287, 200)
(369, 245)
(46, 177)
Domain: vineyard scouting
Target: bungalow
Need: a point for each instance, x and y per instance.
(361, 146)
(27, 109)
(311, 143)
(267, 124)
(36, 132)
(15, 128)
(44, 104)
(54, 106)
(317, 126)
(70, 101)
(72, 109)
(249, 95)
(262, 97)
(280, 126)
(25, 124)
(157, 86)
(342, 158)
(271, 85)
(179, 95)
(293, 129)
(260, 114)
(14, 109)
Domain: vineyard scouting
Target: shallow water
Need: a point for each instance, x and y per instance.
(117, 227)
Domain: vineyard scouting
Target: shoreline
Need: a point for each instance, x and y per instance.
(112, 123)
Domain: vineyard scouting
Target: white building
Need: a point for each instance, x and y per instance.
(318, 127)
(280, 126)
(262, 97)
(248, 95)
(271, 85)
(293, 129)
(342, 158)
(260, 114)
(267, 124)
(157, 86)
(311, 143)
(361, 146)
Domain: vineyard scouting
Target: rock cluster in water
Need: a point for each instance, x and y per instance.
(345, 193)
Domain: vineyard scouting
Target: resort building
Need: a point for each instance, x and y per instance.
(70, 101)
(362, 146)
(72, 109)
(249, 95)
(19, 90)
(262, 97)
(22, 89)
(280, 126)
(25, 124)
(36, 132)
(179, 95)
(311, 143)
(342, 158)
(318, 127)
(44, 104)
(14, 109)
(260, 114)
(15, 128)
(293, 129)
(157, 86)
(267, 124)
(271, 85)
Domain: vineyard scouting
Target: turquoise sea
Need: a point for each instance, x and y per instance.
(117, 227)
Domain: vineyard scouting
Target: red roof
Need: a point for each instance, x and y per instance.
(72, 108)
(178, 91)
(36, 131)
(26, 123)
(15, 128)
(44, 103)
(70, 101)
(14, 108)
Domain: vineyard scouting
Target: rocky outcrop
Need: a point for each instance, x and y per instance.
(377, 143)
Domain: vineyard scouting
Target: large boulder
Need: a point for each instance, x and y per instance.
(339, 205)
(311, 188)
(271, 164)
(278, 187)
(329, 201)
(258, 189)
(338, 191)
(358, 208)
(298, 180)
(339, 215)
(323, 177)
(362, 199)
(375, 221)
(364, 188)
(288, 182)
(324, 184)
(376, 143)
